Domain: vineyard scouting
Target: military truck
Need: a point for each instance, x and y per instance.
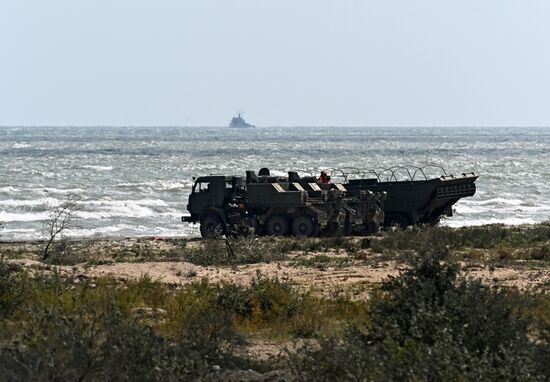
(231, 205)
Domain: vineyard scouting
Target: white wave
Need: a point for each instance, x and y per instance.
(23, 217)
(94, 214)
(134, 231)
(98, 168)
(99, 231)
(159, 185)
(174, 213)
(30, 202)
(9, 189)
(18, 230)
(63, 191)
(544, 209)
(151, 202)
(455, 223)
(173, 185)
(104, 209)
(21, 145)
(118, 203)
(23, 235)
(464, 209)
(498, 201)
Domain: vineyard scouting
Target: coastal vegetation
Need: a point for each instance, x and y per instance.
(431, 318)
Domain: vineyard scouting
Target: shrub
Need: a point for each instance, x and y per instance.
(541, 253)
(94, 330)
(250, 250)
(504, 253)
(95, 346)
(62, 252)
(428, 324)
(13, 291)
(266, 304)
(196, 314)
(273, 303)
(211, 252)
(483, 237)
(242, 250)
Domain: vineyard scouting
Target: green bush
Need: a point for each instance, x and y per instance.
(541, 253)
(95, 346)
(195, 313)
(96, 330)
(265, 303)
(13, 291)
(484, 237)
(429, 324)
(242, 250)
(211, 252)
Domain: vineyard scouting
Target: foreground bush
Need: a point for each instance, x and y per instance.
(428, 324)
(13, 291)
(95, 346)
(72, 328)
(266, 304)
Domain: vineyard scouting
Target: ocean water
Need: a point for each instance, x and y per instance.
(135, 181)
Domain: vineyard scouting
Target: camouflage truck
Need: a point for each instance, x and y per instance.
(263, 204)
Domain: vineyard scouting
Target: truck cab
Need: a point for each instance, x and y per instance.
(211, 192)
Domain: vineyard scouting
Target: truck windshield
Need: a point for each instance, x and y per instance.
(201, 187)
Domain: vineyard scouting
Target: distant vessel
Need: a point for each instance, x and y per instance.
(239, 122)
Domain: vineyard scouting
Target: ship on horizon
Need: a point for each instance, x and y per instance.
(239, 122)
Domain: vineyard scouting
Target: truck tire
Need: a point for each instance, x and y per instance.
(277, 225)
(211, 226)
(302, 226)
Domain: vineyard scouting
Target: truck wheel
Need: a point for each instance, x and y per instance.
(211, 226)
(302, 226)
(277, 225)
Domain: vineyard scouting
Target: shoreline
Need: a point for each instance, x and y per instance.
(199, 238)
(508, 256)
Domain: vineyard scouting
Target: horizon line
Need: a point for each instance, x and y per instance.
(283, 126)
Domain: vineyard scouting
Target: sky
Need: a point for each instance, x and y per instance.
(283, 62)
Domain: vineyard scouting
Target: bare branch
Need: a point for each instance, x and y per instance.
(62, 218)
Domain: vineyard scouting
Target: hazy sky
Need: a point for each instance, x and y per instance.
(285, 62)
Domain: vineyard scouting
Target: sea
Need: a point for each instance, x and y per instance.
(135, 181)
